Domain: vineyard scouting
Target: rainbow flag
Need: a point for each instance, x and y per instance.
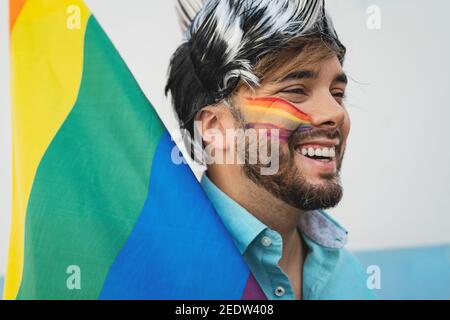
(100, 211)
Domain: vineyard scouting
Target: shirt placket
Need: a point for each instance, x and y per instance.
(279, 285)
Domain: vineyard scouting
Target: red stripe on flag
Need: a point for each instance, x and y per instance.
(15, 7)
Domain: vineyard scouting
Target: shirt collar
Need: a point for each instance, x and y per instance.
(317, 225)
(322, 229)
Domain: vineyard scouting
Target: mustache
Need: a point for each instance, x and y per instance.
(299, 136)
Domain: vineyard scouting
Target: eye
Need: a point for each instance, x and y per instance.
(295, 90)
(339, 96)
(294, 94)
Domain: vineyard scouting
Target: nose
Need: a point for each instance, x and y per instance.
(327, 113)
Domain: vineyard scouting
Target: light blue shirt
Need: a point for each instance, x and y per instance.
(329, 271)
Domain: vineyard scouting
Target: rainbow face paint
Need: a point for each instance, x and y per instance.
(275, 113)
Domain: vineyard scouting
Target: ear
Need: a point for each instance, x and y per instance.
(212, 122)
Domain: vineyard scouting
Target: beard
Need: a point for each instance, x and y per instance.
(290, 185)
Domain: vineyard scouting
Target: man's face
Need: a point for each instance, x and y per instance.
(311, 147)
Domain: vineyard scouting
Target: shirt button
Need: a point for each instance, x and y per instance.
(266, 241)
(279, 291)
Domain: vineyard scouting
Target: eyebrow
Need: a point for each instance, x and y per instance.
(302, 74)
(309, 74)
(341, 77)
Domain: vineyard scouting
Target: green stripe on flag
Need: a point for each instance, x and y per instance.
(92, 181)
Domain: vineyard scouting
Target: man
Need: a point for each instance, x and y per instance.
(272, 66)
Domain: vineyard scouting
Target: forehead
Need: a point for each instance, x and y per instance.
(311, 55)
(328, 67)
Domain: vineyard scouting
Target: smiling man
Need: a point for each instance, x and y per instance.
(274, 66)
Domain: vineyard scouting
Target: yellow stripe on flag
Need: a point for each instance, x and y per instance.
(46, 67)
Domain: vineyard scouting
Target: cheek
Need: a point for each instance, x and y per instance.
(345, 131)
(274, 114)
(346, 126)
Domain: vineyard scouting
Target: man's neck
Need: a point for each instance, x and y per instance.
(271, 211)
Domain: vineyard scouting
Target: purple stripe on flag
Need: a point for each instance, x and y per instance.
(252, 290)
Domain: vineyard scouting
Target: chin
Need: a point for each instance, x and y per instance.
(317, 178)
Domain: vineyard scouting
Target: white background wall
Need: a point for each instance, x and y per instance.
(397, 169)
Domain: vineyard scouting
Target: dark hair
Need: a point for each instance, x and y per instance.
(228, 39)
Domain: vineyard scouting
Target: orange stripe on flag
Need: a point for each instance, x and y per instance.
(15, 6)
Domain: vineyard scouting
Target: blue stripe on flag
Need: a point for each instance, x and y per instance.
(179, 248)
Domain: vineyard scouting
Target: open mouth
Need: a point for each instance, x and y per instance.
(318, 153)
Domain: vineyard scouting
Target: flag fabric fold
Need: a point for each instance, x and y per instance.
(100, 211)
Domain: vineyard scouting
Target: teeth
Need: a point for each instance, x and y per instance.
(319, 152)
(332, 153)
